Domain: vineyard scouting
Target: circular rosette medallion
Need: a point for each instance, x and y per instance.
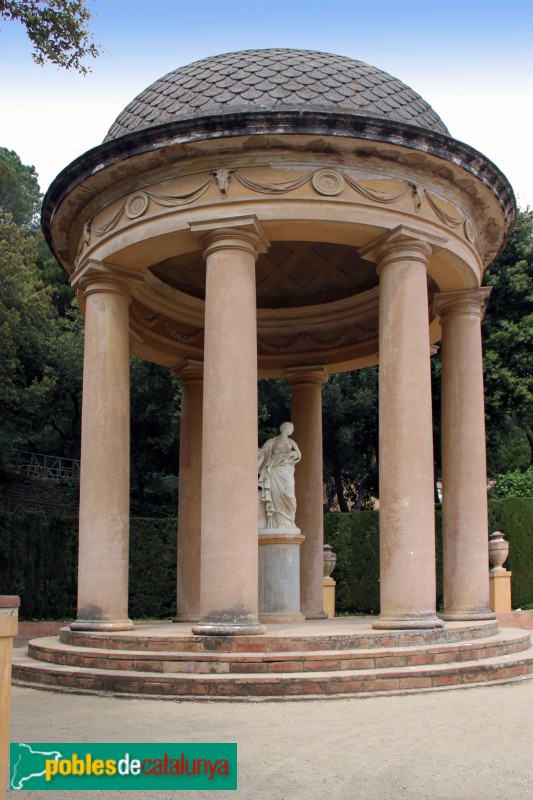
(136, 205)
(328, 182)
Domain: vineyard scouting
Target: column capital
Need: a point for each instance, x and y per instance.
(307, 375)
(188, 370)
(402, 243)
(231, 233)
(97, 276)
(470, 302)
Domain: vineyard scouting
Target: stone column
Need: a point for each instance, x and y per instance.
(105, 459)
(407, 516)
(229, 569)
(190, 491)
(9, 606)
(306, 384)
(464, 477)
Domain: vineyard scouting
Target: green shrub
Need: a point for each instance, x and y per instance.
(514, 516)
(38, 562)
(513, 484)
(354, 538)
(152, 581)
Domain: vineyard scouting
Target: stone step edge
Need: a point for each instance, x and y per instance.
(274, 698)
(454, 632)
(504, 634)
(422, 671)
(50, 645)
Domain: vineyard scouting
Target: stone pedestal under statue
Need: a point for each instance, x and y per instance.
(279, 575)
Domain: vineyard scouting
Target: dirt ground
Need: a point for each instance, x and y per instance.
(472, 744)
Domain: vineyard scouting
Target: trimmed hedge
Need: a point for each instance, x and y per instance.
(38, 560)
(514, 516)
(153, 552)
(355, 540)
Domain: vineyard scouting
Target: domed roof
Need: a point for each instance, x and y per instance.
(275, 81)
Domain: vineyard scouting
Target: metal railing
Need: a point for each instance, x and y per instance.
(43, 466)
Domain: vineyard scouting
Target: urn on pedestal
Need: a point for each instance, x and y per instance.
(498, 551)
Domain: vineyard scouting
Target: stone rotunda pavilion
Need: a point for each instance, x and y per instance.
(282, 213)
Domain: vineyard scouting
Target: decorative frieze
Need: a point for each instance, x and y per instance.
(325, 182)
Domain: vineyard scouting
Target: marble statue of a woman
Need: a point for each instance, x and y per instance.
(276, 463)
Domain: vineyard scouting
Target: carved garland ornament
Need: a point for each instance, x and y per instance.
(445, 210)
(327, 182)
(137, 204)
(175, 333)
(305, 342)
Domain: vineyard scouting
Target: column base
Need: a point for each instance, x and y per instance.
(102, 625)
(465, 616)
(228, 629)
(315, 615)
(407, 623)
(186, 617)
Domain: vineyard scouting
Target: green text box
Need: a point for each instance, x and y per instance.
(133, 766)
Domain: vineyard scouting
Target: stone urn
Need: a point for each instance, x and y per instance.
(330, 559)
(498, 551)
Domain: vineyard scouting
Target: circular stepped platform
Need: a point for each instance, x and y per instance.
(322, 658)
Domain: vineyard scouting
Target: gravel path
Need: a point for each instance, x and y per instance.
(473, 744)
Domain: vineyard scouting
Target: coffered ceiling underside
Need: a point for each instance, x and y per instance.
(317, 303)
(289, 275)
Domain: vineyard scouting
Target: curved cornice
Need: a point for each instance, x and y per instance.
(270, 123)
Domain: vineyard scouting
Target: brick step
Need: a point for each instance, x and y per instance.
(168, 637)
(283, 685)
(50, 650)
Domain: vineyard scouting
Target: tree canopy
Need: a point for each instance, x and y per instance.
(20, 194)
(508, 345)
(27, 320)
(57, 29)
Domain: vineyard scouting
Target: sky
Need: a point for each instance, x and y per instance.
(471, 60)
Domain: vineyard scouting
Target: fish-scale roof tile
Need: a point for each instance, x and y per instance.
(275, 80)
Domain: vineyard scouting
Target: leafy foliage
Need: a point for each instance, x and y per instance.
(27, 326)
(355, 540)
(508, 344)
(274, 397)
(514, 484)
(155, 422)
(350, 406)
(57, 412)
(57, 29)
(20, 194)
